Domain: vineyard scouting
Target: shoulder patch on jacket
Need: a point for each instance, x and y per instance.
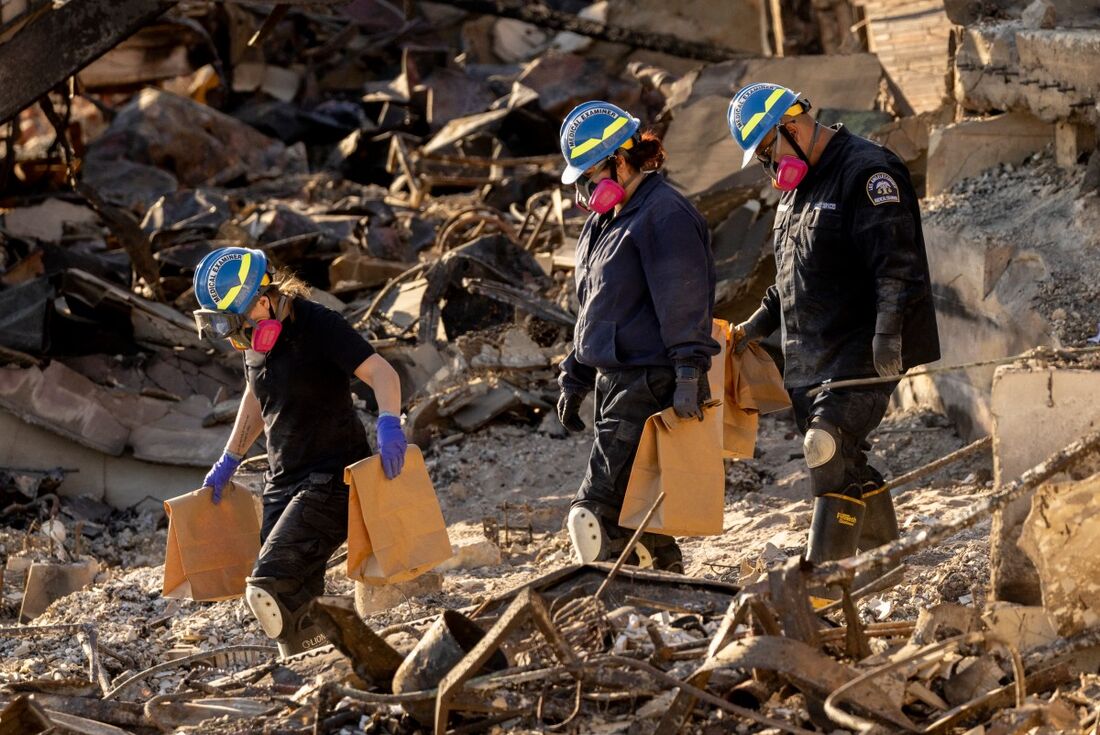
(882, 189)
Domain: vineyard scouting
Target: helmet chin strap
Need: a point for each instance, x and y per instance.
(279, 306)
(277, 303)
(794, 143)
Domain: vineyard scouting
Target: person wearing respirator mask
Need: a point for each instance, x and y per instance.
(852, 295)
(645, 283)
(298, 360)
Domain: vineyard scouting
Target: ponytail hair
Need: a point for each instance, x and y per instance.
(647, 153)
(289, 285)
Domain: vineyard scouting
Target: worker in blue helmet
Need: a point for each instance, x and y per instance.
(852, 294)
(645, 282)
(298, 360)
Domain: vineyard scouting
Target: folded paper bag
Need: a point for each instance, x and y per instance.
(683, 458)
(211, 547)
(759, 382)
(753, 386)
(716, 376)
(396, 530)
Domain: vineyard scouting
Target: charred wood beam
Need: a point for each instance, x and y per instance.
(521, 300)
(540, 15)
(24, 717)
(119, 714)
(130, 235)
(59, 43)
(921, 656)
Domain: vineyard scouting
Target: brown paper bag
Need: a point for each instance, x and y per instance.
(753, 386)
(396, 530)
(211, 548)
(684, 459)
(760, 379)
(717, 374)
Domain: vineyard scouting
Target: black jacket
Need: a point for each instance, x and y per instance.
(645, 283)
(850, 262)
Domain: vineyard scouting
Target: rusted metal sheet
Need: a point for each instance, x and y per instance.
(528, 605)
(372, 658)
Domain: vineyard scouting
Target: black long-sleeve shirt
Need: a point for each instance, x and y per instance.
(645, 283)
(850, 263)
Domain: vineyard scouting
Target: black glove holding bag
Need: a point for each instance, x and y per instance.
(692, 391)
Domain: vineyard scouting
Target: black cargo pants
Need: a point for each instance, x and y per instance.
(303, 524)
(855, 413)
(624, 400)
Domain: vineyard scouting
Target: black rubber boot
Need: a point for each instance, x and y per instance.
(660, 552)
(880, 526)
(834, 534)
(300, 634)
(835, 528)
(669, 558)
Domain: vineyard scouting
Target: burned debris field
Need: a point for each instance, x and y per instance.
(393, 171)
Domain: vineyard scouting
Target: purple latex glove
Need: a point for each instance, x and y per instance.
(391, 445)
(221, 473)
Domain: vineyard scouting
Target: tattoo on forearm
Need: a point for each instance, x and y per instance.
(243, 434)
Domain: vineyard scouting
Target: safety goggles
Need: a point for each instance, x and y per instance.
(764, 155)
(764, 152)
(223, 325)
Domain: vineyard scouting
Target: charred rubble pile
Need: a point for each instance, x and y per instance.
(404, 164)
(403, 159)
(602, 648)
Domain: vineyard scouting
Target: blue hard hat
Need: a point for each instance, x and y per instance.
(229, 279)
(592, 132)
(756, 109)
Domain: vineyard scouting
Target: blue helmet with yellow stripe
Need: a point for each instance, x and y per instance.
(756, 109)
(229, 279)
(592, 132)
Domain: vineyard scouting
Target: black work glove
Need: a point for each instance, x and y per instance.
(569, 407)
(750, 330)
(692, 391)
(886, 349)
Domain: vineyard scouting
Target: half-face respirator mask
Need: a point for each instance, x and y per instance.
(602, 196)
(243, 332)
(789, 172)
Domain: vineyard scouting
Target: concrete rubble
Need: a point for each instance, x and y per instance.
(1058, 541)
(403, 159)
(1036, 407)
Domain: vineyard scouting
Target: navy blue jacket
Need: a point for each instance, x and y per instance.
(645, 282)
